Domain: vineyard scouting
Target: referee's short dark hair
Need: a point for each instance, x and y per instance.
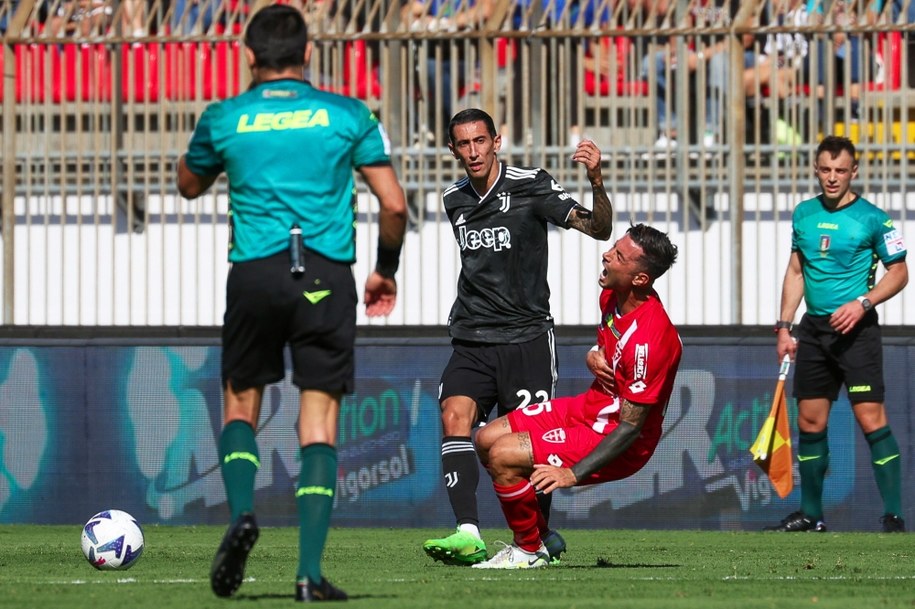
(834, 145)
(277, 35)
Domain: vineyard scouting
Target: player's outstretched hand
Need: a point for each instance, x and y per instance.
(547, 478)
(588, 154)
(380, 295)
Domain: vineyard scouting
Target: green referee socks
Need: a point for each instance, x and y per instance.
(813, 461)
(885, 460)
(314, 497)
(239, 461)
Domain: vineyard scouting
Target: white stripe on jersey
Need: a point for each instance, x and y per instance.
(456, 186)
(516, 173)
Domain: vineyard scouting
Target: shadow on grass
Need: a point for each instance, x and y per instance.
(603, 563)
(263, 597)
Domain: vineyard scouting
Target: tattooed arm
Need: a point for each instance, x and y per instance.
(547, 478)
(597, 223)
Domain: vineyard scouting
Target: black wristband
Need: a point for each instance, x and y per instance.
(388, 260)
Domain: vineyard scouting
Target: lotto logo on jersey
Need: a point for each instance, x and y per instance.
(554, 460)
(496, 238)
(555, 436)
(638, 387)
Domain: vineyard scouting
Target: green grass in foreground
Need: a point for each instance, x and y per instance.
(42, 566)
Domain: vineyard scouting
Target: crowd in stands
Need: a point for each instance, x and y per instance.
(778, 65)
(135, 18)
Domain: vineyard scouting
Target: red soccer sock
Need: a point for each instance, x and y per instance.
(519, 504)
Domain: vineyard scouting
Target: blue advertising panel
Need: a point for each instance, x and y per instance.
(90, 426)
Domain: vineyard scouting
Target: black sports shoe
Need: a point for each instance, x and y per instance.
(798, 521)
(555, 545)
(228, 568)
(892, 523)
(308, 592)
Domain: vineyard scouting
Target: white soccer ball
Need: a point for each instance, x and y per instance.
(112, 539)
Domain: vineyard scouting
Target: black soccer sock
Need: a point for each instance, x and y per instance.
(885, 460)
(813, 461)
(239, 462)
(545, 500)
(461, 471)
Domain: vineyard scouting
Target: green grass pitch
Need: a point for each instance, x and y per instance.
(42, 566)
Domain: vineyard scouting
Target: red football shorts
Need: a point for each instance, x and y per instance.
(560, 437)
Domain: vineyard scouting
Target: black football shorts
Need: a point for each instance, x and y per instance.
(826, 360)
(314, 313)
(508, 375)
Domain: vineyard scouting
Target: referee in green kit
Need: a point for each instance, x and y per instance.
(289, 151)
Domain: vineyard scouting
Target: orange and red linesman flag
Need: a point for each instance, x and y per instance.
(772, 448)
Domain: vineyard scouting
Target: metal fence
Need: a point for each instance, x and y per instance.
(706, 113)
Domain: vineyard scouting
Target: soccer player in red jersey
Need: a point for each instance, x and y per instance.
(610, 431)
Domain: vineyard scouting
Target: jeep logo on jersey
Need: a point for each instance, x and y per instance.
(555, 436)
(497, 238)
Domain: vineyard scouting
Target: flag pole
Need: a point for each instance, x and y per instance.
(775, 437)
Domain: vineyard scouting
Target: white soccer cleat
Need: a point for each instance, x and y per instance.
(513, 557)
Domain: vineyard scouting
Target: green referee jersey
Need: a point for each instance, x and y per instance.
(289, 151)
(840, 249)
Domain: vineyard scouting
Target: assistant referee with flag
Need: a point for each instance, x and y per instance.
(837, 239)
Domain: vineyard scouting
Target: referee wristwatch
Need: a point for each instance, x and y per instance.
(783, 325)
(867, 304)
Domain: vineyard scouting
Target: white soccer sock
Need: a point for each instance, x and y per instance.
(470, 528)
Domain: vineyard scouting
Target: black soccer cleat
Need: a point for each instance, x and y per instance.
(555, 545)
(798, 522)
(307, 592)
(892, 523)
(228, 570)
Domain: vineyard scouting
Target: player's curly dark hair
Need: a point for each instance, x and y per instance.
(658, 253)
(277, 35)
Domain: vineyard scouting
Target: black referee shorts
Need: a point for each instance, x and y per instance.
(314, 313)
(826, 359)
(510, 375)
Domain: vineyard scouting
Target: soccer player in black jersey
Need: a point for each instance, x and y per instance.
(500, 324)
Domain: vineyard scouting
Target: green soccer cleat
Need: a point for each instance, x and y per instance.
(460, 548)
